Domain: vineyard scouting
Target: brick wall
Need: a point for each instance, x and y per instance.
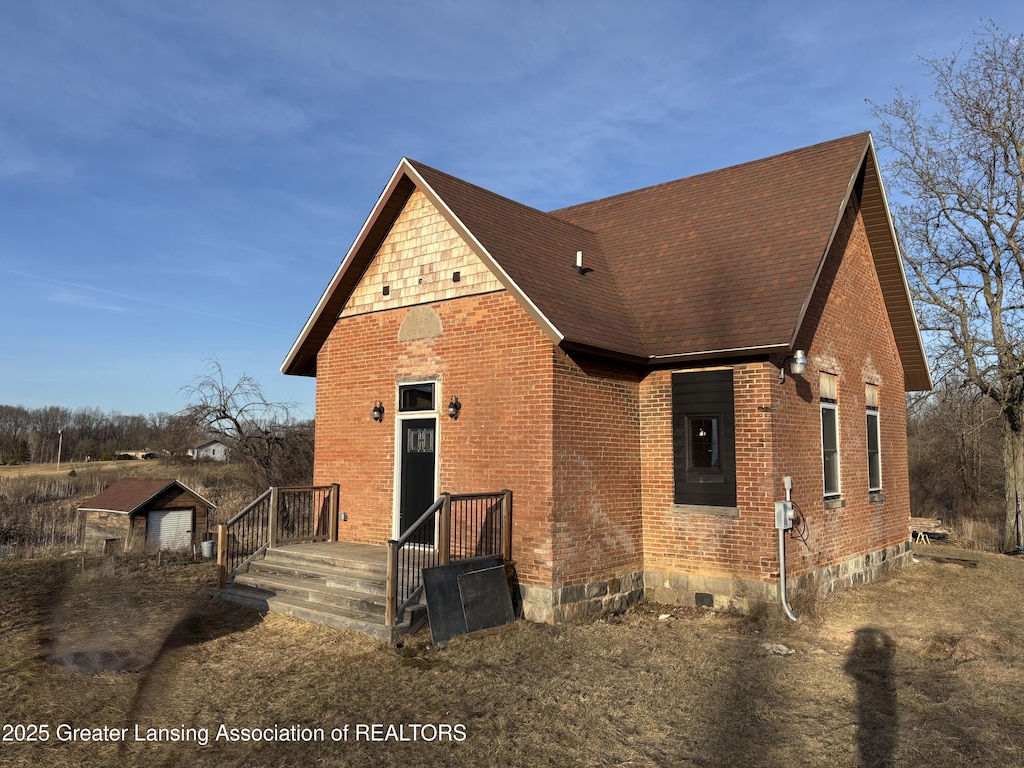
(852, 340)
(598, 523)
(734, 554)
(492, 356)
(587, 447)
(691, 549)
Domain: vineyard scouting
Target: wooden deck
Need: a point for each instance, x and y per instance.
(339, 584)
(341, 551)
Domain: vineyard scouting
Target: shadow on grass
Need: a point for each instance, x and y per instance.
(205, 620)
(870, 664)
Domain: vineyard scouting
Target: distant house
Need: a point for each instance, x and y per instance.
(212, 450)
(144, 453)
(649, 373)
(144, 513)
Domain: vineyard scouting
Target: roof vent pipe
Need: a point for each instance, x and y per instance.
(579, 264)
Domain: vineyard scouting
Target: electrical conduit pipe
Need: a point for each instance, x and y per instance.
(784, 521)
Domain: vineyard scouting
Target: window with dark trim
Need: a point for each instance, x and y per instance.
(874, 439)
(703, 453)
(416, 397)
(829, 433)
(703, 438)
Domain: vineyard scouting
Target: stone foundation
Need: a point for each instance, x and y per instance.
(567, 604)
(857, 570)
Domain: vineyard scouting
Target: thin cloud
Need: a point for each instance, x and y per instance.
(86, 301)
(141, 300)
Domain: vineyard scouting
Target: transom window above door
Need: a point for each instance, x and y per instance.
(416, 397)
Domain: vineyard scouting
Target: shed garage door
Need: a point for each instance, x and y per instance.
(169, 529)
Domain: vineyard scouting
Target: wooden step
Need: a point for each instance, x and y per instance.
(355, 581)
(341, 586)
(367, 566)
(318, 613)
(340, 595)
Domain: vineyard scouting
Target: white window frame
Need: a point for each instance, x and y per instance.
(401, 416)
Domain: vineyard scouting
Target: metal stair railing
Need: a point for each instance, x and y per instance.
(453, 527)
(277, 516)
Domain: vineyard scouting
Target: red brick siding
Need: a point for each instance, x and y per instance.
(853, 340)
(598, 528)
(494, 357)
(710, 544)
(778, 433)
(587, 447)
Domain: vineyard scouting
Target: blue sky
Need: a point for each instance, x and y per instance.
(179, 181)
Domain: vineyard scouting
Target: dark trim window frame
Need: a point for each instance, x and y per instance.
(874, 435)
(703, 439)
(830, 447)
(417, 397)
(703, 443)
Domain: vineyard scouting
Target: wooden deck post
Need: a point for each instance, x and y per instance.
(445, 532)
(506, 524)
(391, 585)
(222, 556)
(272, 521)
(333, 522)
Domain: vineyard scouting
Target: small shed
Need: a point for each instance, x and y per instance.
(144, 513)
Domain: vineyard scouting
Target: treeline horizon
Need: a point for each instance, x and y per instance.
(39, 435)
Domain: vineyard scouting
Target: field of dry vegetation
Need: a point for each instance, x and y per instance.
(39, 502)
(923, 669)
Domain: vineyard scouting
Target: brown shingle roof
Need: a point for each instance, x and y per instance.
(725, 260)
(129, 494)
(538, 253)
(716, 264)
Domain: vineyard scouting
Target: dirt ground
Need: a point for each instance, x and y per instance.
(925, 668)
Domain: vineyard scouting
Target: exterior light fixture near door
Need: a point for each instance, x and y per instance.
(797, 365)
(454, 407)
(378, 411)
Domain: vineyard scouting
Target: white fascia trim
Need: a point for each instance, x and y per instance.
(385, 195)
(492, 264)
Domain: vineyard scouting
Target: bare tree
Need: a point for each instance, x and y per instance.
(958, 170)
(263, 435)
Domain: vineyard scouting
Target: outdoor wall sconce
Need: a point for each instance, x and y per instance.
(796, 367)
(378, 411)
(454, 406)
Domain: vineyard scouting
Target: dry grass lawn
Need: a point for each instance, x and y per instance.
(923, 669)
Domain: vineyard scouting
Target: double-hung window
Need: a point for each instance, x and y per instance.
(828, 395)
(874, 439)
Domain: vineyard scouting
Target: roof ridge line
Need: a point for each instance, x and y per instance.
(691, 177)
(417, 165)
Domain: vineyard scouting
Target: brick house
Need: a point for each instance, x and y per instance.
(624, 366)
